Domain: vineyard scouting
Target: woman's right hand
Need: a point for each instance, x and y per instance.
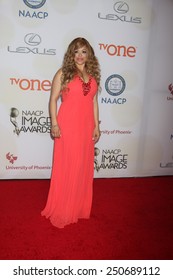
(55, 131)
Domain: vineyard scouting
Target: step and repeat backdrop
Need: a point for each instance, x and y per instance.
(133, 42)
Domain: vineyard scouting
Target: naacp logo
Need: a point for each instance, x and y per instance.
(110, 159)
(115, 85)
(32, 39)
(13, 119)
(34, 4)
(121, 7)
(30, 121)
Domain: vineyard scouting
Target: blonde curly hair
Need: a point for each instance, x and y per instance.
(69, 69)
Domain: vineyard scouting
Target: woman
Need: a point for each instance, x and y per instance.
(75, 130)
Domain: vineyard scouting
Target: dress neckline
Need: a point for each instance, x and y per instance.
(82, 80)
(86, 86)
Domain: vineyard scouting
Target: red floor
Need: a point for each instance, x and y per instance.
(131, 219)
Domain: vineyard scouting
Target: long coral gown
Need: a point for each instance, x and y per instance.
(70, 193)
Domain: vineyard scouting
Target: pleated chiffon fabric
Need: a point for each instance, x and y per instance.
(70, 193)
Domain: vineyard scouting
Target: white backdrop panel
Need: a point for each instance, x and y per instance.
(133, 42)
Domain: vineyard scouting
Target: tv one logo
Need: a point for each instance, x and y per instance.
(32, 84)
(115, 86)
(118, 50)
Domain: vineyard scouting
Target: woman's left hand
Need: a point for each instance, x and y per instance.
(96, 135)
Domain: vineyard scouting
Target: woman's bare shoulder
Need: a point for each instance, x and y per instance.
(57, 76)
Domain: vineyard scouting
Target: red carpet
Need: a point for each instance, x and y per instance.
(132, 218)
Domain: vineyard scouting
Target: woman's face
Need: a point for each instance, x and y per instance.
(81, 56)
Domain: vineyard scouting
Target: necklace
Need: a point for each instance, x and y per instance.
(85, 86)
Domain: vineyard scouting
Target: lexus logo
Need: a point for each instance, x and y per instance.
(32, 39)
(121, 7)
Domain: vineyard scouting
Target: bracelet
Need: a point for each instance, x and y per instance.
(55, 125)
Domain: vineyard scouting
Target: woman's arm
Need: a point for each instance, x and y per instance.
(55, 93)
(96, 133)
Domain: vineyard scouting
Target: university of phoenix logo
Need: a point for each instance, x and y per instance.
(170, 88)
(11, 158)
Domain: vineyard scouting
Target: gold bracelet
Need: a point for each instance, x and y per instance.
(55, 125)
